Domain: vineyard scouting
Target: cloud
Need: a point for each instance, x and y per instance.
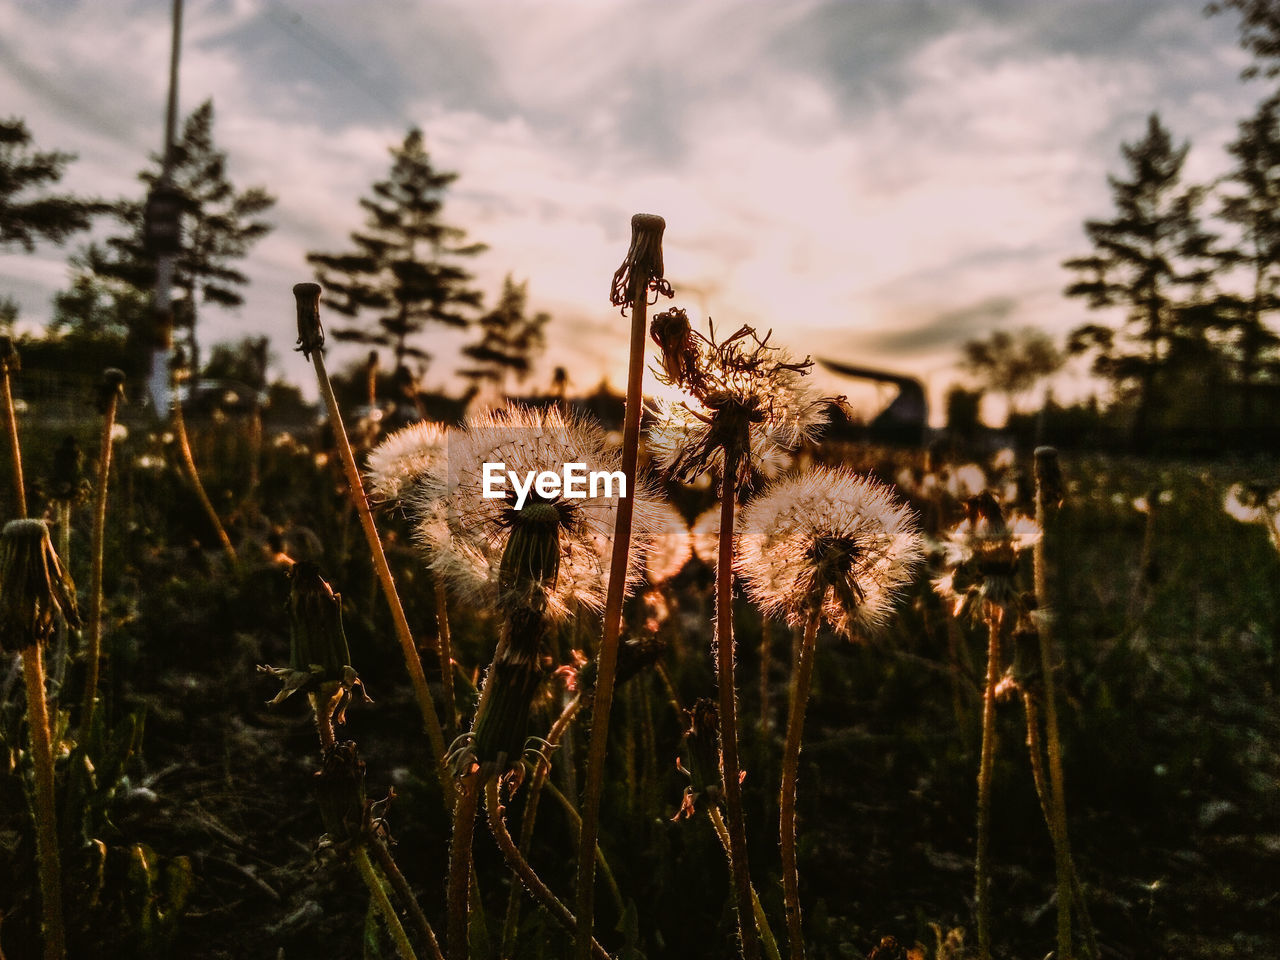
(874, 176)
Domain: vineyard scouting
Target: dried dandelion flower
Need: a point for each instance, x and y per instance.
(745, 397)
(982, 555)
(642, 263)
(414, 456)
(1254, 503)
(828, 542)
(561, 544)
(34, 588)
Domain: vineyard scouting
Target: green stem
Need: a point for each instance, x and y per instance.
(533, 883)
(464, 824)
(408, 648)
(575, 821)
(757, 908)
(15, 447)
(790, 773)
(93, 640)
(985, 769)
(401, 886)
(374, 883)
(608, 655)
(46, 827)
(729, 763)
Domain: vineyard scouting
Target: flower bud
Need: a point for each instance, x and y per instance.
(110, 388)
(340, 790)
(315, 615)
(681, 360)
(34, 588)
(701, 756)
(10, 362)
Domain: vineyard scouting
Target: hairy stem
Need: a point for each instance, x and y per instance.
(408, 648)
(985, 768)
(388, 910)
(608, 654)
(46, 827)
(97, 547)
(790, 772)
(757, 908)
(728, 705)
(575, 822)
(533, 883)
(400, 885)
(464, 824)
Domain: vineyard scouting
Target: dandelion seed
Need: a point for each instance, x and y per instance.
(828, 541)
(410, 457)
(468, 534)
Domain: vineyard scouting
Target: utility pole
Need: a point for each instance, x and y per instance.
(163, 236)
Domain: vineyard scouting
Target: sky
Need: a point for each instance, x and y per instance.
(875, 180)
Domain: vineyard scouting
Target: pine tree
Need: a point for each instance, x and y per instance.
(1251, 202)
(27, 213)
(509, 339)
(404, 268)
(1259, 32)
(220, 225)
(1145, 258)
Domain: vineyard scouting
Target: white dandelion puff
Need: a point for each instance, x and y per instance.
(981, 555)
(410, 457)
(467, 534)
(828, 541)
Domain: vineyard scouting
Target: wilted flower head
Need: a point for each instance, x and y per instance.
(34, 588)
(412, 456)
(560, 546)
(828, 542)
(744, 397)
(642, 264)
(982, 555)
(700, 760)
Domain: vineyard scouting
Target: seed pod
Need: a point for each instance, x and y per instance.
(681, 359)
(34, 588)
(510, 687)
(531, 558)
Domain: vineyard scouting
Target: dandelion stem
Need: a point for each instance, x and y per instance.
(464, 823)
(729, 707)
(790, 772)
(391, 869)
(608, 654)
(1046, 462)
(982, 869)
(539, 890)
(374, 882)
(575, 821)
(93, 641)
(1035, 750)
(757, 908)
(15, 447)
(530, 816)
(189, 465)
(46, 828)
(444, 649)
(408, 648)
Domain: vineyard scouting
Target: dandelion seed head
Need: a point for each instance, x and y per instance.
(981, 554)
(467, 535)
(672, 545)
(414, 456)
(831, 541)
